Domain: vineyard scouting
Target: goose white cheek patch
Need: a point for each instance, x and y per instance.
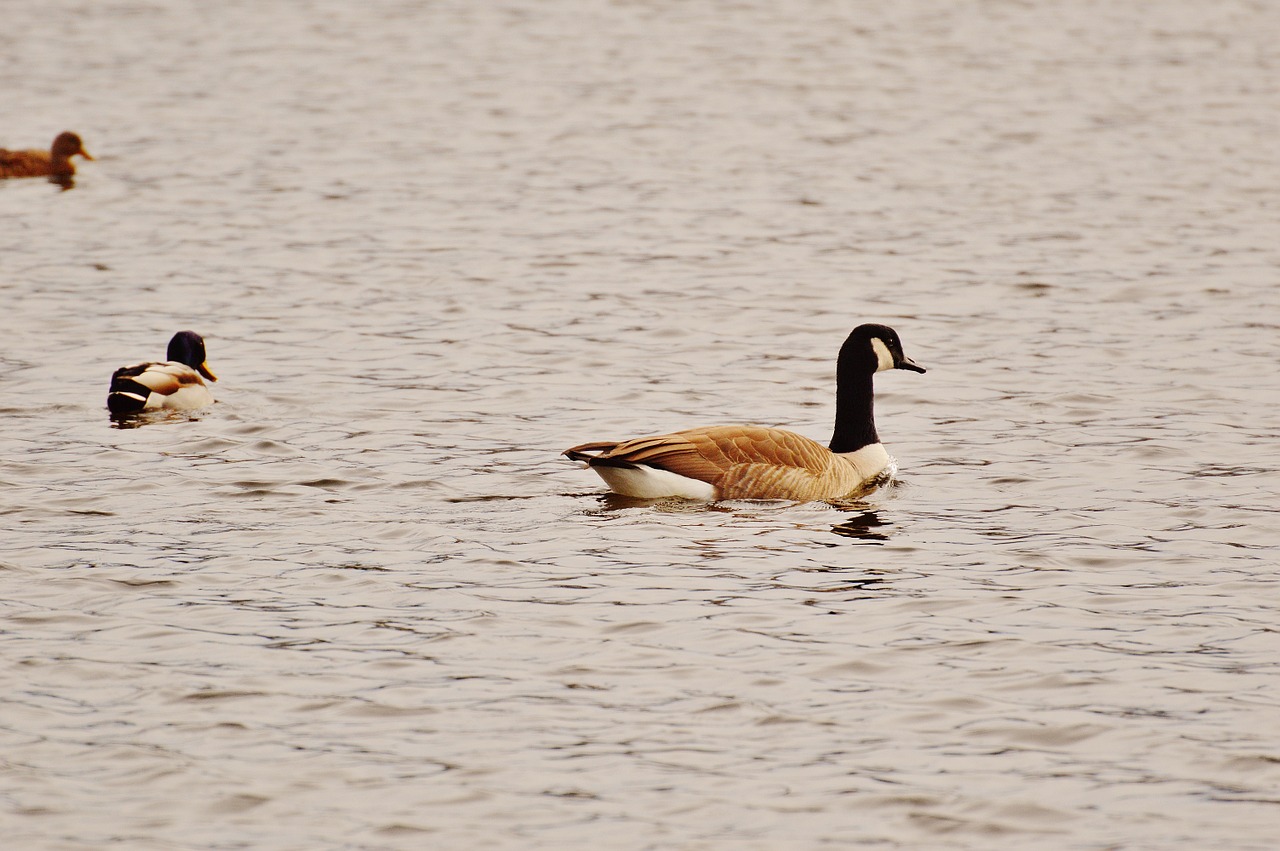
(883, 355)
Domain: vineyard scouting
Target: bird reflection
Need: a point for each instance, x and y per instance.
(862, 526)
(137, 419)
(865, 525)
(610, 502)
(128, 420)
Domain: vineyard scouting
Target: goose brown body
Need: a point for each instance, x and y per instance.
(755, 462)
(744, 462)
(55, 162)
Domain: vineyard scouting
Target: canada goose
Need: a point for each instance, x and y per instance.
(55, 162)
(175, 384)
(753, 462)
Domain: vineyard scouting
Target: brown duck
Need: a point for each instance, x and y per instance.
(55, 162)
(753, 462)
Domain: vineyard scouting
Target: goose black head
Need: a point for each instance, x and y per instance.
(876, 348)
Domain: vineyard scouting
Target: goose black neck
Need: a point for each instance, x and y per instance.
(855, 409)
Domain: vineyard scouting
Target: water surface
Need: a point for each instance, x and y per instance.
(360, 603)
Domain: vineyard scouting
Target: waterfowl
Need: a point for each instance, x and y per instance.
(55, 162)
(754, 462)
(177, 384)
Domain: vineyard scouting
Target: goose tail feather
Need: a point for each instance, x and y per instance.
(583, 452)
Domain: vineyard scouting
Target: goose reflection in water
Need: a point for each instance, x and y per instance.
(610, 502)
(866, 525)
(862, 526)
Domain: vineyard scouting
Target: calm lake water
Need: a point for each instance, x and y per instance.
(361, 603)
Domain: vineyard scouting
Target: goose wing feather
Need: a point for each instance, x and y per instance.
(771, 463)
(742, 462)
(682, 453)
(729, 446)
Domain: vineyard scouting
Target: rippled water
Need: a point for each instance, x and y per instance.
(360, 603)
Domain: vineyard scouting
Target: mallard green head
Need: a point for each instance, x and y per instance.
(188, 347)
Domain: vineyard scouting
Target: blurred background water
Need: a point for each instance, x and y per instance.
(360, 603)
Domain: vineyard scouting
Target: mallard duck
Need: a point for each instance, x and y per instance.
(754, 462)
(177, 384)
(55, 162)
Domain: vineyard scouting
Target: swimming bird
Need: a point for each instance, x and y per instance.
(177, 384)
(754, 462)
(55, 162)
